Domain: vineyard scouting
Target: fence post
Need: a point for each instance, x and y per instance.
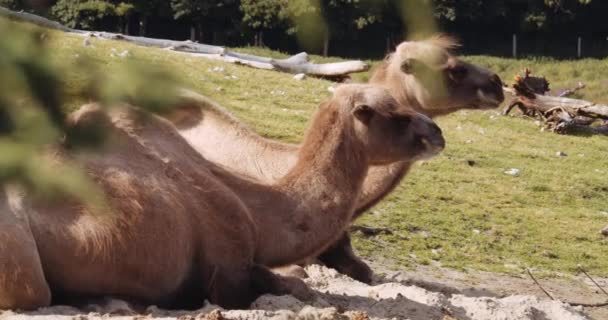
(579, 48)
(514, 46)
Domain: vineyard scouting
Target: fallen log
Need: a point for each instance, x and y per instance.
(298, 63)
(574, 107)
(560, 114)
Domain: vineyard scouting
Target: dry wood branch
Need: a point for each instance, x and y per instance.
(539, 285)
(370, 231)
(592, 280)
(574, 304)
(572, 91)
(298, 63)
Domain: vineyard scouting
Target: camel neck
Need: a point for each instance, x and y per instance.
(318, 195)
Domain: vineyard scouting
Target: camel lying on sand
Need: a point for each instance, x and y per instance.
(413, 74)
(176, 226)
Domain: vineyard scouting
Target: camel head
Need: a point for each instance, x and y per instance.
(433, 81)
(388, 132)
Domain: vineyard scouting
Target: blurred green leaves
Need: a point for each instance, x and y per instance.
(32, 117)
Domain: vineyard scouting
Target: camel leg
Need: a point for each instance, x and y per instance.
(267, 282)
(231, 289)
(341, 257)
(22, 281)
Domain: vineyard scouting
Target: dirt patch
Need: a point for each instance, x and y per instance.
(341, 298)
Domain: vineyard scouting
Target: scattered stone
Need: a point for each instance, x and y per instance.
(512, 172)
(278, 92)
(471, 163)
(538, 123)
(299, 76)
(459, 127)
(216, 69)
(582, 155)
(605, 213)
(125, 54)
(482, 131)
(604, 231)
(476, 231)
(87, 42)
(469, 141)
(219, 89)
(560, 154)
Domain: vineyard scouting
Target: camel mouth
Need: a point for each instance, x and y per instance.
(429, 146)
(489, 100)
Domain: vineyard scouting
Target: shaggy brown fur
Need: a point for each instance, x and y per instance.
(221, 138)
(177, 225)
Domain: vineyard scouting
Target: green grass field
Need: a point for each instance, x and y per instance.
(446, 210)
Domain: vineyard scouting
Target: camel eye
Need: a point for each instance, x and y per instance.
(458, 73)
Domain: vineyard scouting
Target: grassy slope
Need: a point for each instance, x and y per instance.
(460, 215)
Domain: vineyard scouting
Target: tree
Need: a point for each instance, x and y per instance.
(84, 14)
(330, 18)
(261, 15)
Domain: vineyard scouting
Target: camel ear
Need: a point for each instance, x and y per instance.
(364, 113)
(411, 65)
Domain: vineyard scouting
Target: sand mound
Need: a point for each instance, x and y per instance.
(339, 298)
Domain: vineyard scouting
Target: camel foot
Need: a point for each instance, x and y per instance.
(232, 290)
(265, 281)
(341, 257)
(291, 271)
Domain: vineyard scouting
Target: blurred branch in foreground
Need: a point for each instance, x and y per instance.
(32, 116)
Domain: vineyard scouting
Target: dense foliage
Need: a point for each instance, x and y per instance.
(312, 24)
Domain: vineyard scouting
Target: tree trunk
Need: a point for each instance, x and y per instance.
(127, 24)
(192, 33)
(261, 38)
(326, 38)
(143, 22)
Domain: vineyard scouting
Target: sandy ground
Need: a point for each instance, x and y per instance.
(423, 294)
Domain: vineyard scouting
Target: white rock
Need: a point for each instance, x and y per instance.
(560, 154)
(469, 141)
(476, 231)
(124, 54)
(512, 172)
(299, 76)
(87, 42)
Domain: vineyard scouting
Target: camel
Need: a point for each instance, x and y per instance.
(175, 226)
(421, 75)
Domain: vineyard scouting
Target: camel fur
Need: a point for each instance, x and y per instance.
(450, 85)
(177, 229)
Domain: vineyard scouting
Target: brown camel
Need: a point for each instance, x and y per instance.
(421, 75)
(175, 225)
